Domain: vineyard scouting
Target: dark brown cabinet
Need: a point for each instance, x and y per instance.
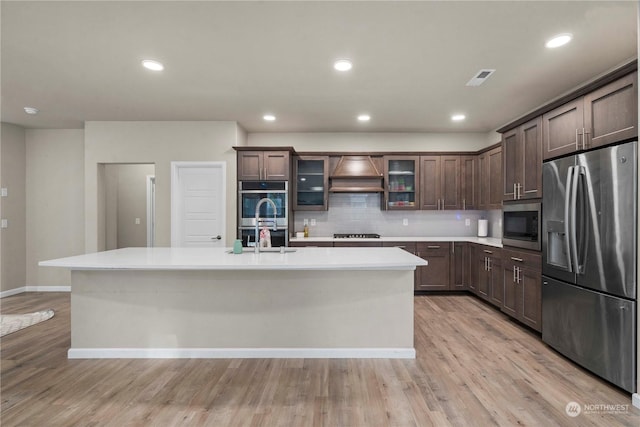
(468, 176)
(440, 182)
(437, 275)
(489, 179)
(310, 192)
(263, 166)
(460, 267)
(603, 116)
(522, 161)
(402, 182)
(522, 277)
(488, 265)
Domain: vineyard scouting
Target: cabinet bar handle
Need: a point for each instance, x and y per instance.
(514, 274)
(517, 259)
(514, 191)
(489, 264)
(488, 252)
(577, 146)
(518, 275)
(433, 247)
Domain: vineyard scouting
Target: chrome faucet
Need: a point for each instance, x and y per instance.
(275, 215)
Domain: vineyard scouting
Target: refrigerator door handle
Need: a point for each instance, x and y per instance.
(567, 217)
(581, 250)
(573, 233)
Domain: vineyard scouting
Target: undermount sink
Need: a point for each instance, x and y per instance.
(270, 250)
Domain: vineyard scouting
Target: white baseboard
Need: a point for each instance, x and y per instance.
(241, 353)
(13, 292)
(48, 288)
(35, 289)
(635, 400)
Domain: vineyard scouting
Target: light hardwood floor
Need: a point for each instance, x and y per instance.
(474, 367)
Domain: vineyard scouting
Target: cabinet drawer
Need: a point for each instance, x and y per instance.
(426, 248)
(522, 259)
(407, 246)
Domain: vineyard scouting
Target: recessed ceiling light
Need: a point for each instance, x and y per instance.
(269, 117)
(364, 118)
(342, 65)
(150, 64)
(458, 117)
(31, 110)
(558, 40)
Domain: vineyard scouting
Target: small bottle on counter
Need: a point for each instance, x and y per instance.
(306, 231)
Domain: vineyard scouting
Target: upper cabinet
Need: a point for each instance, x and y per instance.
(440, 182)
(263, 166)
(468, 172)
(489, 181)
(402, 179)
(606, 115)
(311, 183)
(522, 161)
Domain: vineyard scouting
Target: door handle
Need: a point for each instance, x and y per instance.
(218, 237)
(567, 217)
(573, 237)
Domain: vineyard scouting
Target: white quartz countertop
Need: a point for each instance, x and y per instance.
(489, 241)
(219, 259)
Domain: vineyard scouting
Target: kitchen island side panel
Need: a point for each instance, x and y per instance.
(241, 309)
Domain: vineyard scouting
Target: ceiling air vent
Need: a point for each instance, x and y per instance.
(480, 77)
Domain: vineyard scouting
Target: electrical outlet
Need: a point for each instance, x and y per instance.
(137, 221)
(405, 221)
(305, 221)
(313, 222)
(467, 222)
(499, 223)
(4, 223)
(4, 192)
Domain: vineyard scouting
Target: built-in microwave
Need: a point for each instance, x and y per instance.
(251, 192)
(521, 225)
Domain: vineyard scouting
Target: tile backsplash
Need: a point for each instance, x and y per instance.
(361, 213)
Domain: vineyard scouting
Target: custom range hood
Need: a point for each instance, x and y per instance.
(356, 174)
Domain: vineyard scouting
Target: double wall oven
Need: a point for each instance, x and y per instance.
(249, 194)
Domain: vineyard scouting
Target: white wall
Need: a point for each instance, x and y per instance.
(126, 200)
(55, 201)
(12, 177)
(159, 143)
(368, 142)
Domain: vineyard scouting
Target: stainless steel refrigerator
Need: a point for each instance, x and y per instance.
(589, 260)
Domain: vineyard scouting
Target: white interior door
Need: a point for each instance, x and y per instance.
(198, 204)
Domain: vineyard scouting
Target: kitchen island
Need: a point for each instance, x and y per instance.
(208, 303)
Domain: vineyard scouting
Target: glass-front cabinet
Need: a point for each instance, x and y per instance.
(401, 177)
(312, 182)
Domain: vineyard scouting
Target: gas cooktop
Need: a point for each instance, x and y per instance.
(356, 236)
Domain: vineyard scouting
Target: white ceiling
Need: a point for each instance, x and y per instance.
(80, 60)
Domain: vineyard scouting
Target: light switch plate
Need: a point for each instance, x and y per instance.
(305, 221)
(467, 222)
(137, 221)
(4, 192)
(313, 222)
(4, 224)
(405, 221)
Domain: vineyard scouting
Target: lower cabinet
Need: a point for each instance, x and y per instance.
(437, 275)
(523, 287)
(459, 266)
(487, 277)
